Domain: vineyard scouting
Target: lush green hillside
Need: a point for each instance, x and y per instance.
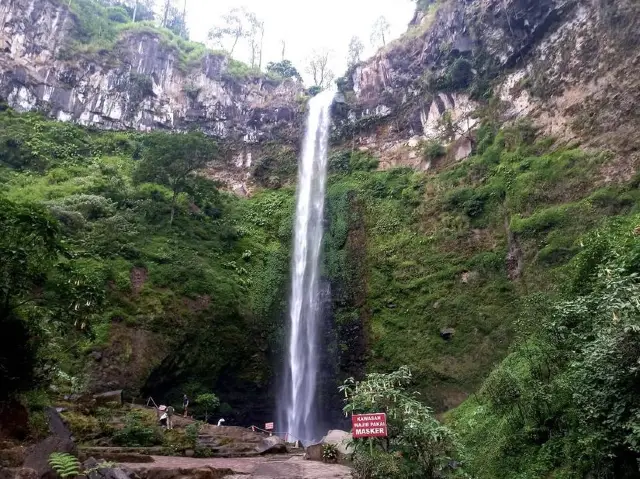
(490, 247)
(210, 286)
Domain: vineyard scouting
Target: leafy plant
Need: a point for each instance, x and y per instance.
(64, 464)
(139, 431)
(422, 445)
(191, 431)
(209, 402)
(329, 453)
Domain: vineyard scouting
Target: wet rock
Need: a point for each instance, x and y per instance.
(37, 455)
(272, 445)
(96, 355)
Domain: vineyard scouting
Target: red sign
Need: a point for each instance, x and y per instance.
(268, 426)
(369, 425)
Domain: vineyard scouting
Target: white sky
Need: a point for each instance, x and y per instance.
(305, 25)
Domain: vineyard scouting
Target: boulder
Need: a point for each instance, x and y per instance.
(340, 439)
(272, 445)
(12, 457)
(447, 333)
(106, 473)
(37, 455)
(313, 452)
(17, 473)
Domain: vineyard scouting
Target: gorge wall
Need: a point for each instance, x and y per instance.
(568, 66)
(141, 81)
(408, 254)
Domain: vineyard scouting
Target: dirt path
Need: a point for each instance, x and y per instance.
(268, 467)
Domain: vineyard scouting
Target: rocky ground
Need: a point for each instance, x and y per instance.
(282, 467)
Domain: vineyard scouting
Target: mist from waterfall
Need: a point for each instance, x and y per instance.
(298, 413)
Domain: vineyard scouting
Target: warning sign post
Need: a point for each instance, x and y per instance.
(369, 425)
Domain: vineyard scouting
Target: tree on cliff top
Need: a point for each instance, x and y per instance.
(380, 31)
(170, 159)
(356, 47)
(318, 68)
(236, 25)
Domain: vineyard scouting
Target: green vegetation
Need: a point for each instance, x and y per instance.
(564, 403)
(207, 401)
(98, 29)
(417, 446)
(65, 465)
(520, 241)
(140, 429)
(102, 251)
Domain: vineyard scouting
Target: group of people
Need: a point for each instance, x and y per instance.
(166, 417)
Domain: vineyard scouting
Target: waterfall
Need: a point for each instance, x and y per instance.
(302, 364)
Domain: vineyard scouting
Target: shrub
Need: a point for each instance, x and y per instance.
(433, 150)
(417, 446)
(192, 431)
(329, 453)
(139, 430)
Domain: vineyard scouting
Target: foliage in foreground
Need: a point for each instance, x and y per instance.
(417, 446)
(565, 403)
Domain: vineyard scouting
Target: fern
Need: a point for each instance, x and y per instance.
(64, 464)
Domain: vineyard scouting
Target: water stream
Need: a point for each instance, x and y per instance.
(302, 364)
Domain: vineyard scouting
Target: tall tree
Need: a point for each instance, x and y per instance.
(234, 27)
(380, 31)
(255, 35)
(356, 47)
(318, 68)
(166, 7)
(170, 160)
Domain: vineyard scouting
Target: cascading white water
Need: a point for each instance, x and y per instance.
(304, 318)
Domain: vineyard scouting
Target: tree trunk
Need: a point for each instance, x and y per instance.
(135, 11)
(184, 20)
(261, 43)
(233, 47)
(167, 4)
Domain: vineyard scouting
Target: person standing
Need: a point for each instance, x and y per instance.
(185, 405)
(170, 412)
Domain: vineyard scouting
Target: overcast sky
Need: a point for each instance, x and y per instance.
(305, 25)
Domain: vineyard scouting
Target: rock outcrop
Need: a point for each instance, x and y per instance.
(569, 66)
(141, 83)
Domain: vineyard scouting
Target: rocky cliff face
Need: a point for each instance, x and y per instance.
(140, 84)
(569, 66)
